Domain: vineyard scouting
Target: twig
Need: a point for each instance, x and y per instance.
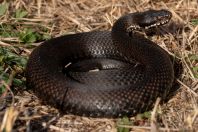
(9, 119)
(148, 128)
(185, 86)
(154, 127)
(53, 127)
(4, 44)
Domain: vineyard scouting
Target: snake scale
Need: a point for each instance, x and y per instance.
(132, 70)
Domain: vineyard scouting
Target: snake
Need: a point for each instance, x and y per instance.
(104, 73)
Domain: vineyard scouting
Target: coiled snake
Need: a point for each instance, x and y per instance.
(133, 71)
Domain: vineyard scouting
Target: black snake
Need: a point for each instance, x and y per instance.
(132, 70)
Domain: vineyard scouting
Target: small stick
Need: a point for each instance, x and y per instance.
(154, 127)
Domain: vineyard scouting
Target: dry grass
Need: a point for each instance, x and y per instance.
(26, 113)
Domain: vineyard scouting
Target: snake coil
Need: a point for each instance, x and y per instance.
(133, 71)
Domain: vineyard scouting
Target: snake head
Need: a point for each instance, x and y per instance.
(153, 18)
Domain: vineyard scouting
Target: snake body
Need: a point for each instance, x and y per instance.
(133, 71)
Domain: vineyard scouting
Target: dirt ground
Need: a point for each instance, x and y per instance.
(21, 110)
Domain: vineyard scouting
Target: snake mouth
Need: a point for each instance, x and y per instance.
(153, 18)
(160, 20)
(157, 24)
(151, 23)
(137, 27)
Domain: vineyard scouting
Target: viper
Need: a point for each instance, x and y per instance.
(104, 73)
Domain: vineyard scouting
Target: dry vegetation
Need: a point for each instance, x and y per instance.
(21, 110)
